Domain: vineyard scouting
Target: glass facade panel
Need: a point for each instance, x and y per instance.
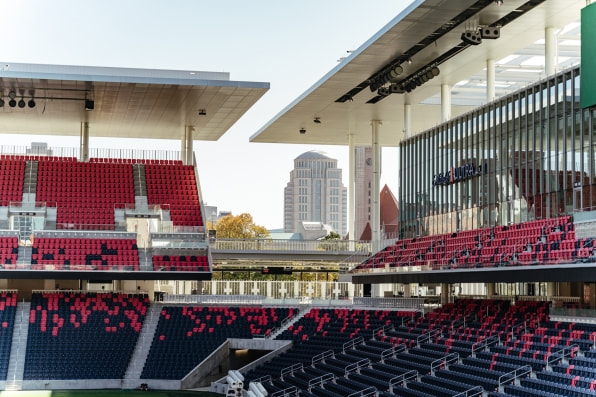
(527, 156)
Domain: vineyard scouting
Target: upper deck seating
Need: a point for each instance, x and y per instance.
(12, 172)
(9, 250)
(82, 335)
(175, 185)
(85, 194)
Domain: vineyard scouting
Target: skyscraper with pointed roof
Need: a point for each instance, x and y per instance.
(315, 193)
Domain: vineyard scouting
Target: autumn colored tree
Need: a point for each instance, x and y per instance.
(240, 226)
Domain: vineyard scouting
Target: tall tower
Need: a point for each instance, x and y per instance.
(315, 193)
(362, 189)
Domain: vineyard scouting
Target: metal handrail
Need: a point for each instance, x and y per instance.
(369, 391)
(403, 378)
(516, 373)
(352, 343)
(490, 341)
(290, 391)
(446, 360)
(322, 356)
(320, 380)
(473, 392)
(365, 362)
(392, 351)
(562, 353)
(427, 335)
(298, 367)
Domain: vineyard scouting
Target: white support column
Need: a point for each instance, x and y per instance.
(183, 146)
(189, 144)
(375, 223)
(490, 80)
(186, 145)
(550, 51)
(352, 188)
(407, 115)
(84, 142)
(445, 102)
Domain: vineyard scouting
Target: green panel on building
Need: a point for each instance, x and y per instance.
(588, 56)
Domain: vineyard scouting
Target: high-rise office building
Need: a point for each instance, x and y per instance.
(315, 193)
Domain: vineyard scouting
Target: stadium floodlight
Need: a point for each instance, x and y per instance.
(472, 37)
(31, 103)
(22, 103)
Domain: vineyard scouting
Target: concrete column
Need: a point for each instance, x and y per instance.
(84, 142)
(186, 142)
(375, 223)
(444, 293)
(407, 291)
(183, 146)
(490, 290)
(550, 51)
(445, 102)
(189, 145)
(352, 188)
(407, 115)
(490, 80)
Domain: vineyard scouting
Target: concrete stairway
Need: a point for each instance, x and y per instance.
(287, 323)
(135, 367)
(16, 363)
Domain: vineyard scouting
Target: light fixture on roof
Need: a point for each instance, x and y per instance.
(302, 131)
(1, 103)
(471, 36)
(31, 103)
(490, 32)
(12, 94)
(317, 120)
(89, 104)
(22, 103)
(499, 2)
(202, 112)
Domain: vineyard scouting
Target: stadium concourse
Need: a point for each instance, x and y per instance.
(498, 221)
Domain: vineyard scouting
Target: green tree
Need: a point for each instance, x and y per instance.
(332, 236)
(240, 226)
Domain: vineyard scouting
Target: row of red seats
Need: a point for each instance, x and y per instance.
(181, 263)
(176, 186)
(109, 160)
(470, 247)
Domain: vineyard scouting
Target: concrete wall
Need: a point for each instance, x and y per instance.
(213, 367)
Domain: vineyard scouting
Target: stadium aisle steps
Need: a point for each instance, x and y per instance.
(139, 357)
(16, 363)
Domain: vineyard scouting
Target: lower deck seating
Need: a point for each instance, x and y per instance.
(187, 335)
(82, 335)
(8, 306)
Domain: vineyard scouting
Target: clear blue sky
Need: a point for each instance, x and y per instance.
(290, 44)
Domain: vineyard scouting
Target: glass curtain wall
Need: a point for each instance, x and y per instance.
(529, 155)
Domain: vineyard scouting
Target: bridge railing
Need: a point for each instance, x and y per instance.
(240, 245)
